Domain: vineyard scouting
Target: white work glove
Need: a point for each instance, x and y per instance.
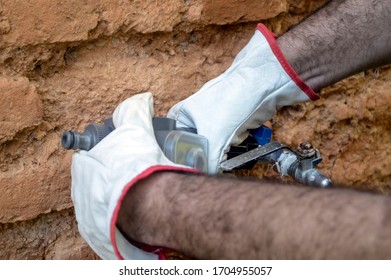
(102, 176)
(246, 95)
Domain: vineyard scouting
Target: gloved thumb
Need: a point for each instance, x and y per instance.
(137, 109)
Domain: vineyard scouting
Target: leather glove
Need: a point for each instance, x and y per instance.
(259, 81)
(102, 176)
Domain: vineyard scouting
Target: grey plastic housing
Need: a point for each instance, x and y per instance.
(186, 148)
(179, 146)
(182, 147)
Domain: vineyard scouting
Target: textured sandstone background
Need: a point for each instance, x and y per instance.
(67, 63)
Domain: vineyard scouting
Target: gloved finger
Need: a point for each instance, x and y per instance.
(182, 120)
(137, 110)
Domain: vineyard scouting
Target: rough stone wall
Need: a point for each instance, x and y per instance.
(64, 64)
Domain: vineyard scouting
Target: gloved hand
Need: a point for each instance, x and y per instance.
(259, 81)
(102, 176)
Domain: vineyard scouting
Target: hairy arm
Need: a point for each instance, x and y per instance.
(341, 39)
(219, 218)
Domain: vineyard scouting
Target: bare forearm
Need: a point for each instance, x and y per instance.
(343, 38)
(215, 218)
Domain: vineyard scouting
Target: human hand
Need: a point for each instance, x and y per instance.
(259, 81)
(102, 176)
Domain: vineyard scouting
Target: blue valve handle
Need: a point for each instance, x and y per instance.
(262, 134)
